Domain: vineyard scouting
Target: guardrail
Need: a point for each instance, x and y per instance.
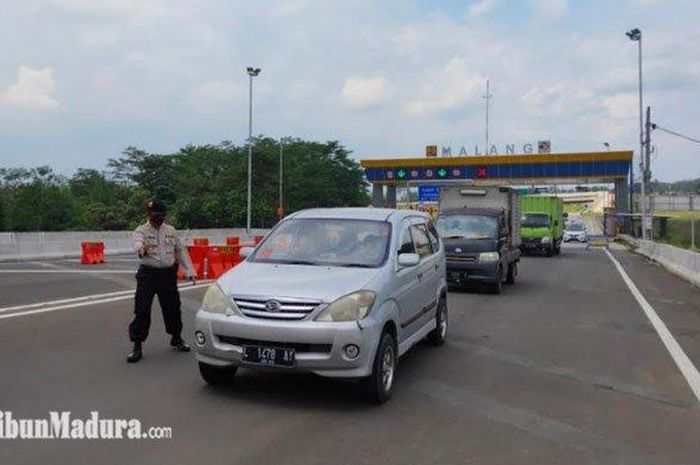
(681, 262)
(16, 246)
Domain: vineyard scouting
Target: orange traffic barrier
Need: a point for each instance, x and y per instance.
(215, 262)
(200, 241)
(233, 240)
(198, 256)
(92, 253)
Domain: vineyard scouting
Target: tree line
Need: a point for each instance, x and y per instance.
(204, 186)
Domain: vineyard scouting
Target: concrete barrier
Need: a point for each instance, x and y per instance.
(682, 262)
(41, 245)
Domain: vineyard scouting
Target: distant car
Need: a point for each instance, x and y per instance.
(575, 232)
(337, 292)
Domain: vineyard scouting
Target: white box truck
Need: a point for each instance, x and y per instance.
(480, 227)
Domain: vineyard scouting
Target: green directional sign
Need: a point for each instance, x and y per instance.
(401, 173)
(441, 172)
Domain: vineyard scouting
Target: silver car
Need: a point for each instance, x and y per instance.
(337, 292)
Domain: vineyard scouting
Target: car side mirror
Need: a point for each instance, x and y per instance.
(246, 251)
(409, 259)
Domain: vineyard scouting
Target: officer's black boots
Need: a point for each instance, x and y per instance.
(179, 344)
(136, 354)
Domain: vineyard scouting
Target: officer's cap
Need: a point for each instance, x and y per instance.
(155, 206)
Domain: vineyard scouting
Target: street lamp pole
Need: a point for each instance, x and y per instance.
(252, 72)
(635, 35)
(281, 208)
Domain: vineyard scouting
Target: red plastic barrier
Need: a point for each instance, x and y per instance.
(215, 263)
(92, 253)
(200, 241)
(198, 255)
(258, 239)
(233, 240)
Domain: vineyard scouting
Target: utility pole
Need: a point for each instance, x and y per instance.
(635, 35)
(488, 97)
(647, 220)
(252, 72)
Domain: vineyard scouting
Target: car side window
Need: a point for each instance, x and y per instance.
(406, 244)
(434, 237)
(422, 242)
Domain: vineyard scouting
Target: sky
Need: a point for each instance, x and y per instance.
(80, 80)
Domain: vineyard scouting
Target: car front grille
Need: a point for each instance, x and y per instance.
(273, 308)
(300, 347)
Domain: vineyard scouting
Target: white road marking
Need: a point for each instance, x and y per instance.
(76, 303)
(688, 370)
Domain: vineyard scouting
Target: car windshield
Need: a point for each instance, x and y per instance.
(575, 227)
(326, 242)
(535, 220)
(467, 226)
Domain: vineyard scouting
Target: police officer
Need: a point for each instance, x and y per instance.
(160, 251)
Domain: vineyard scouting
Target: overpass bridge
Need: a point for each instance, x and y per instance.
(524, 169)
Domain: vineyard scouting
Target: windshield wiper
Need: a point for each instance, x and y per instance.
(299, 262)
(456, 236)
(356, 265)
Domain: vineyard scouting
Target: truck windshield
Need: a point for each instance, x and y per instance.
(574, 227)
(326, 242)
(467, 226)
(535, 220)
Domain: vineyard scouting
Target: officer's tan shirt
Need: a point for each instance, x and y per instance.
(163, 247)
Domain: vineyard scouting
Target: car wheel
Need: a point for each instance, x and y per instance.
(437, 336)
(215, 375)
(512, 273)
(380, 385)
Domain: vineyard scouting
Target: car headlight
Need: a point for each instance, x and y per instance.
(351, 307)
(546, 240)
(488, 257)
(215, 301)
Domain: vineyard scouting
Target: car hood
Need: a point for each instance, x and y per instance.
(535, 232)
(301, 281)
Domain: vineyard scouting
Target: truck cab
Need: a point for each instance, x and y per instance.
(542, 224)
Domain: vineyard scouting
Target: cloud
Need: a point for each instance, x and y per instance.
(549, 9)
(452, 87)
(217, 95)
(33, 90)
(363, 92)
(482, 7)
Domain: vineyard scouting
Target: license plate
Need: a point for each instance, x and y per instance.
(269, 356)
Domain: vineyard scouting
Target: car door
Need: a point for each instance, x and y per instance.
(428, 272)
(408, 290)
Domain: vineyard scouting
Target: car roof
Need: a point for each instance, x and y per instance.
(361, 213)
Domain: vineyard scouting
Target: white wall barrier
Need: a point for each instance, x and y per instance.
(38, 245)
(682, 262)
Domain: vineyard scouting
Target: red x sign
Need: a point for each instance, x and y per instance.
(482, 172)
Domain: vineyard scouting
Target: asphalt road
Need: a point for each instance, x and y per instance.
(562, 368)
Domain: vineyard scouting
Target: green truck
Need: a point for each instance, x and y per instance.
(542, 224)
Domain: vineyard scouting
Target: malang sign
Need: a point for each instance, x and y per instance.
(543, 146)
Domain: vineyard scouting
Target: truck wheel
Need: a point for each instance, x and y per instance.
(496, 287)
(380, 385)
(557, 250)
(549, 251)
(437, 336)
(512, 273)
(215, 375)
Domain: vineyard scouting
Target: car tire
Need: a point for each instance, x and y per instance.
(380, 384)
(437, 336)
(512, 273)
(215, 375)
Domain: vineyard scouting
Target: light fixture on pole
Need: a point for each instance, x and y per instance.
(635, 35)
(606, 145)
(252, 72)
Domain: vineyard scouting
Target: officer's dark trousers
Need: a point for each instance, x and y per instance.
(163, 283)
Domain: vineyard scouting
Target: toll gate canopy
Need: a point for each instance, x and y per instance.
(553, 168)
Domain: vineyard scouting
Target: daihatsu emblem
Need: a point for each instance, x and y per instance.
(272, 306)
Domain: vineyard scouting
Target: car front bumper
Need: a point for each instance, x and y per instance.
(535, 245)
(461, 272)
(318, 345)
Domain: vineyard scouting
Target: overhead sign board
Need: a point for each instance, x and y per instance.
(428, 193)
